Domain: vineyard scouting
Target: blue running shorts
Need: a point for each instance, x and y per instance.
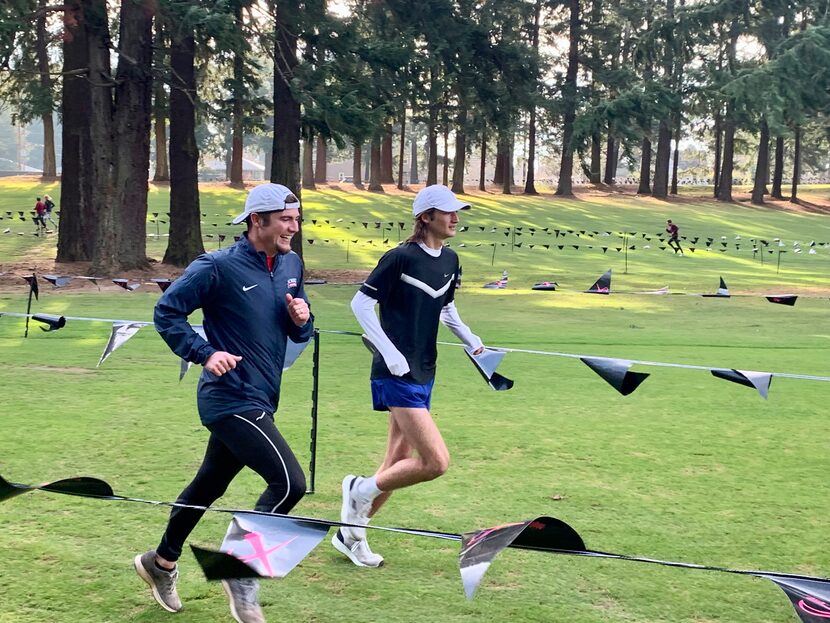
(398, 392)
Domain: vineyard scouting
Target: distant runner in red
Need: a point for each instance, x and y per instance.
(674, 233)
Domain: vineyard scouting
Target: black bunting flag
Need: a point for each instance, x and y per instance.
(783, 299)
(53, 323)
(750, 378)
(723, 291)
(545, 285)
(486, 363)
(56, 281)
(163, 284)
(32, 281)
(602, 285)
(81, 485)
(124, 283)
(479, 549)
(616, 373)
(810, 597)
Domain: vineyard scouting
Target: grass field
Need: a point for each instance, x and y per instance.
(688, 467)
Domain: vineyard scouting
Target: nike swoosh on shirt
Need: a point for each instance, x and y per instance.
(246, 288)
(424, 287)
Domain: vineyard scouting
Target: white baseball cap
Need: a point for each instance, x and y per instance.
(438, 197)
(267, 198)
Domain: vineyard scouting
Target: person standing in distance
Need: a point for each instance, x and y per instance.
(252, 299)
(414, 287)
(673, 233)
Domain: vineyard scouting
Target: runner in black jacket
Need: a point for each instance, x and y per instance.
(252, 299)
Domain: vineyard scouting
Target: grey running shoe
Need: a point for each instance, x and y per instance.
(162, 583)
(357, 551)
(242, 594)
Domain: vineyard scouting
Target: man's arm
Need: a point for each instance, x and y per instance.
(363, 307)
(302, 320)
(451, 319)
(186, 294)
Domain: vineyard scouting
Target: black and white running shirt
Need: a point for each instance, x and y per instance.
(411, 288)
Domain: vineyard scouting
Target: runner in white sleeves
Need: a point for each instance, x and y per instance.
(414, 287)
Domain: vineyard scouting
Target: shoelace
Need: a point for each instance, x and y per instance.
(168, 579)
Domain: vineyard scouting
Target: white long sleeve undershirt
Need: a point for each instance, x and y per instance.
(363, 307)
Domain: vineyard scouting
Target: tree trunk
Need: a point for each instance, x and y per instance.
(308, 164)
(238, 94)
(413, 160)
(320, 173)
(645, 168)
(132, 122)
(718, 152)
(402, 151)
(761, 166)
(105, 226)
(49, 164)
(460, 162)
(675, 163)
(375, 170)
(796, 165)
(76, 219)
(285, 166)
(661, 164)
(386, 161)
(228, 143)
(778, 172)
(367, 150)
(530, 180)
(482, 170)
(565, 186)
(595, 175)
(162, 171)
(727, 165)
(185, 242)
(445, 170)
(357, 180)
(432, 149)
(610, 159)
(507, 185)
(664, 131)
(498, 173)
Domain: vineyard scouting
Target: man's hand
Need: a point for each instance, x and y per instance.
(220, 362)
(478, 350)
(297, 309)
(398, 365)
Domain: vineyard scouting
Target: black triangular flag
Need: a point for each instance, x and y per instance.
(616, 373)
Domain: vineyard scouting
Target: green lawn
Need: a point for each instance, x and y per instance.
(688, 467)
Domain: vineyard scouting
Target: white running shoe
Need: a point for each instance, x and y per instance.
(357, 551)
(354, 509)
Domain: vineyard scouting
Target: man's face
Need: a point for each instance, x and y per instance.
(276, 235)
(443, 225)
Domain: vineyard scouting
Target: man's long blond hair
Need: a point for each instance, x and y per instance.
(420, 226)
